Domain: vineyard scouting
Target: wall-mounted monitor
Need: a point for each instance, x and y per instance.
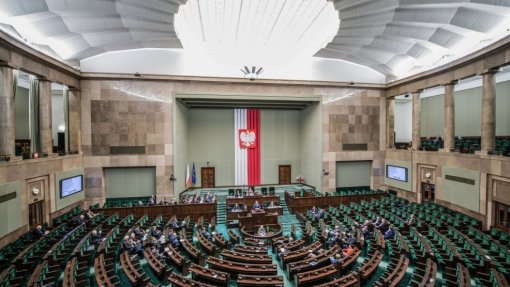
(396, 172)
(71, 185)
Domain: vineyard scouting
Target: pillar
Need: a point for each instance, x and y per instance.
(45, 122)
(74, 124)
(390, 123)
(449, 116)
(416, 120)
(7, 125)
(488, 111)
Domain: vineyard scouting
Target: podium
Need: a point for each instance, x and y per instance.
(256, 217)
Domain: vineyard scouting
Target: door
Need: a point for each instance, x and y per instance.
(207, 175)
(284, 174)
(502, 216)
(36, 213)
(428, 191)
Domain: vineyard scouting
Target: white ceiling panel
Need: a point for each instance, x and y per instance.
(419, 34)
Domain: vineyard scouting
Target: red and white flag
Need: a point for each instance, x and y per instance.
(188, 177)
(247, 146)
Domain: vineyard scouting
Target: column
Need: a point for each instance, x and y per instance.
(390, 123)
(449, 116)
(45, 122)
(488, 111)
(7, 125)
(416, 120)
(74, 124)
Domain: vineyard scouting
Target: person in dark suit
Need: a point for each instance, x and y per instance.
(206, 234)
(389, 233)
(383, 226)
(139, 232)
(95, 237)
(155, 232)
(131, 246)
(38, 232)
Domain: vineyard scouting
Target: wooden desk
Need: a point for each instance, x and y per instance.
(301, 253)
(252, 220)
(250, 249)
(246, 257)
(209, 275)
(189, 248)
(175, 257)
(181, 281)
(158, 267)
(250, 200)
(370, 266)
(257, 280)
(314, 276)
(205, 243)
(235, 268)
(345, 281)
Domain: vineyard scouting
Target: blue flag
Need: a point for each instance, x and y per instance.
(193, 175)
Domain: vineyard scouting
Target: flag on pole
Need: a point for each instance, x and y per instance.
(193, 175)
(188, 178)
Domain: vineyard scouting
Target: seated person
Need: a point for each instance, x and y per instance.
(173, 238)
(90, 214)
(139, 232)
(206, 234)
(314, 210)
(350, 239)
(81, 220)
(95, 237)
(389, 233)
(411, 220)
(250, 192)
(337, 259)
(175, 224)
(348, 251)
(378, 221)
(383, 226)
(261, 231)
(293, 232)
(152, 201)
(311, 254)
(321, 213)
(365, 232)
(257, 205)
(238, 193)
(38, 232)
(236, 207)
(272, 205)
(155, 232)
(131, 246)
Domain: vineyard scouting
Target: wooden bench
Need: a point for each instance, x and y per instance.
(181, 281)
(426, 274)
(345, 281)
(246, 257)
(205, 244)
(234, 238)
(235, 268)
(219, 240)
(209, 275)
(157, 266)
(395, 273)
(315, 276)
(104, 277)
(305, 265)
(190, 249)
(250, 249)
(257, 280)
(371, 265)
(136, 276)
(301, 253)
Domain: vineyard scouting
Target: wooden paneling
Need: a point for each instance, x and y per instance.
(208, 210)
(302, 204)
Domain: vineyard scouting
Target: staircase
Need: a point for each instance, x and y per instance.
(221, 212)
(287, 219)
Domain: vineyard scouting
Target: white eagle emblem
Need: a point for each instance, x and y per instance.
(247, 138)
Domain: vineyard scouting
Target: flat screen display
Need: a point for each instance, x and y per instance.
(71, 185)
(396, 172)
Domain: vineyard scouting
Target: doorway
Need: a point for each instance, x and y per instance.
(284, 172)
(207, 175)
(428, 191)
(502, 216)
(36, 213)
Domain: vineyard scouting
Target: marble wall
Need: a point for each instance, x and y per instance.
(351, 116)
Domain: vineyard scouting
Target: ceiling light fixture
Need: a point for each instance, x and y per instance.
(252, 73)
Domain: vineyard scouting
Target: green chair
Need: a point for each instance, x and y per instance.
(231, 192)
(271, 190)
(264, 190)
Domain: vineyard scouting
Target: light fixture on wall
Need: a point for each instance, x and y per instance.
(252, 73)
(325, 172)
(62, 127)
(172, 178)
